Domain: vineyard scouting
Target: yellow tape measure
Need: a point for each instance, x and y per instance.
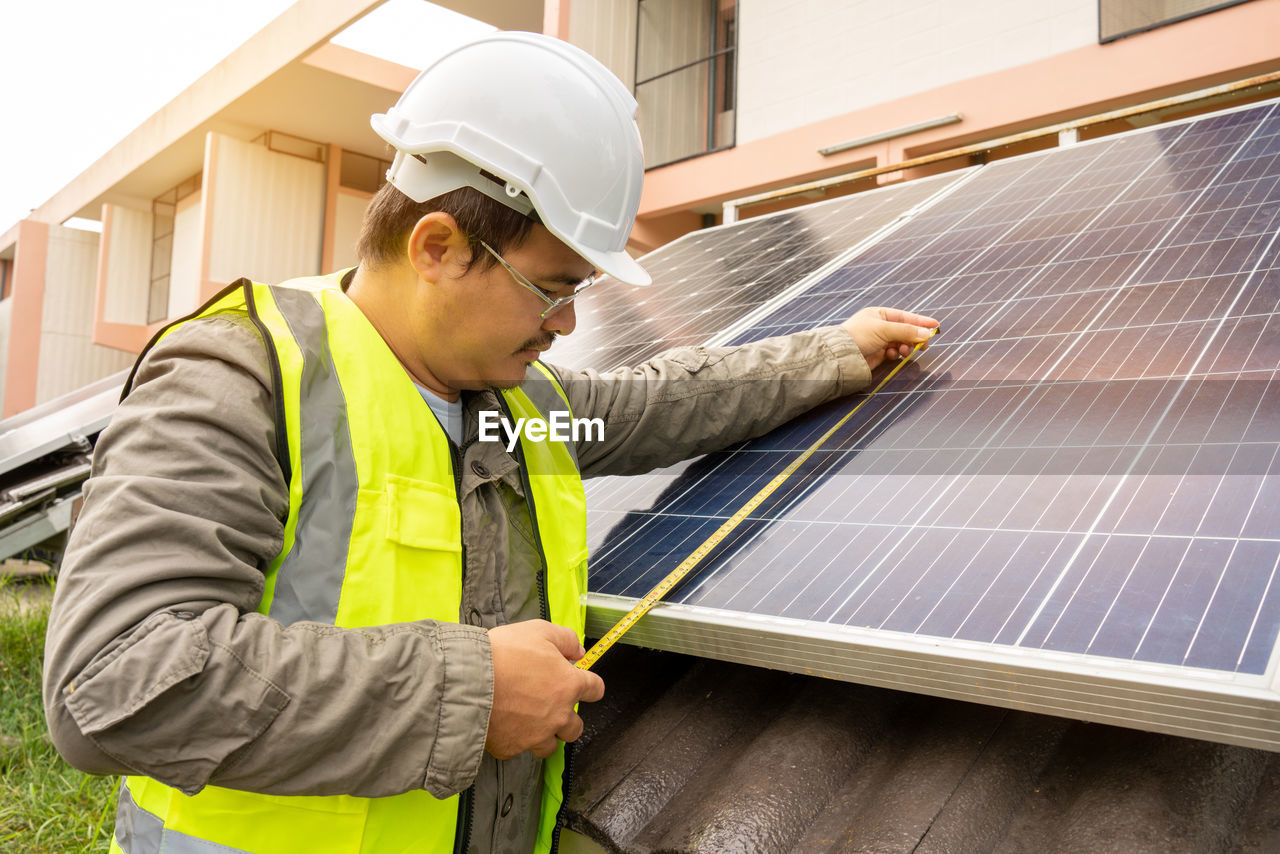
(663, 587)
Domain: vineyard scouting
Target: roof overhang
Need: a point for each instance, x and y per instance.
(287, 78)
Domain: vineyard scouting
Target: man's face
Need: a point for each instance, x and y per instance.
(490, 326)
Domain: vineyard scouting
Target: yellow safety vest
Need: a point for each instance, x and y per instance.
(375, 539)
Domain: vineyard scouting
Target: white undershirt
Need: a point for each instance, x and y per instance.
(448, 412)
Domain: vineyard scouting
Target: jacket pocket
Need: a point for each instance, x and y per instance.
(405, 561)
(170, 704)
(156, 656)
(423, 515)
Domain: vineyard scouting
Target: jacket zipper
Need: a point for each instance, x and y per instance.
(544, 607)
(466, 800)
(462, 835)
(566, 785)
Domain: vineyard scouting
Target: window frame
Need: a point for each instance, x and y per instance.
(1107, 39)
(713, 79)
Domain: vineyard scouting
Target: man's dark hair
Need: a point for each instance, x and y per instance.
(391, 216)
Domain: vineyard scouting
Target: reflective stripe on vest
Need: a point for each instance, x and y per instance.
(307, 581)
(381, 543)
(142, 832)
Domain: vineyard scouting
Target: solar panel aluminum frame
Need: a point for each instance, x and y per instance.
(34, 528)
(1233, 708)
(65, 421)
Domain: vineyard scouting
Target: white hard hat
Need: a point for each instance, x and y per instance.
(553, 124)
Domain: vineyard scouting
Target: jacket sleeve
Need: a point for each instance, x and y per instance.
(693, 400)
(156, 662)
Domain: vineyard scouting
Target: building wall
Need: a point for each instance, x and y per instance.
(68, 357)
(185, 278)
(6, 312)
(127, 238)
(26, 309)
(266, 213)
(801, 62)
(779, 140)
(606, 29)
(350, 214)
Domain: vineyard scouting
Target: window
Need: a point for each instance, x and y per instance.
(164, 210)
(6, 273)
(284, 143)
(685, 82)
(362, 172)
(1118, 18)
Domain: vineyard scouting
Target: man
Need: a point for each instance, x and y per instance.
(305, 607)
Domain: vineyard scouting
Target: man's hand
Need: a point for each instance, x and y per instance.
(535, 686)
(887, 333)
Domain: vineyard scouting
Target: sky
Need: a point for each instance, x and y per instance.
(80, 74)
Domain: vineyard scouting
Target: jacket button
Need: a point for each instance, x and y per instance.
(474, 618)
(184, 615)
(506, 805)
(480, 469)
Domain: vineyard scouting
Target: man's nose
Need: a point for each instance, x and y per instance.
(562, 321)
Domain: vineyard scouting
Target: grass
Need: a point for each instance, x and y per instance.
(45, 804)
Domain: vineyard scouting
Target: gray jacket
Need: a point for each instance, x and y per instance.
(156, 662)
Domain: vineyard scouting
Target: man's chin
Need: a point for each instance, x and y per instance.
(488, 383)
(498, 383)
(511, 377)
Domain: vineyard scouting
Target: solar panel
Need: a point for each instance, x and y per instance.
(708, 280)
(1069, 504)
(59, 423)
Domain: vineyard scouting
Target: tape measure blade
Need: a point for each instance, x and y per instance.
(695, 557)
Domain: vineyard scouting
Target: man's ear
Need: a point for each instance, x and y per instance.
(437, 247)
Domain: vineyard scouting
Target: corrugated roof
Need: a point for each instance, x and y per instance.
(692, 755)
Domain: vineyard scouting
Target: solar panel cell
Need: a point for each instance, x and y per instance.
(1228, 620)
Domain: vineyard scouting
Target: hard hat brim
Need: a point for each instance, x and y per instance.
(619, 265)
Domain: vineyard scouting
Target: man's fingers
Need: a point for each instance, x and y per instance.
(888, 333)
(565, 640)
(571, 731)
(905, 333)
(543, 749)
(895, 315)
(592, 687)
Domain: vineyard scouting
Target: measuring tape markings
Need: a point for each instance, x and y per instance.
(660, 590)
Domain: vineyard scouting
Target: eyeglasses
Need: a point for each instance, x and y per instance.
(552, 304)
